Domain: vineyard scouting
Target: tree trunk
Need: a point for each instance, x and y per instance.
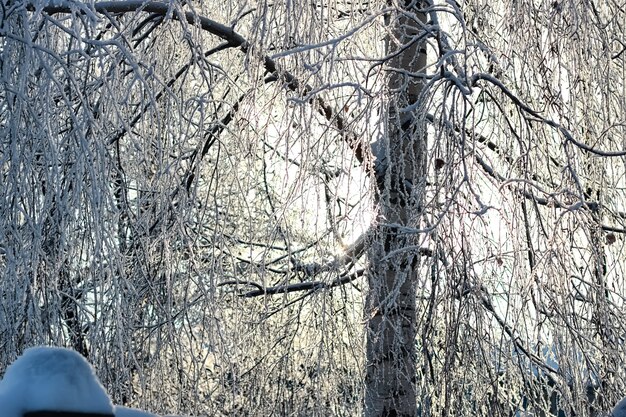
(392, 274)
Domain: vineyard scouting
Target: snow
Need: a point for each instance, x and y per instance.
(53, 379)
(620, 409)
(49, 378)
(131, 412)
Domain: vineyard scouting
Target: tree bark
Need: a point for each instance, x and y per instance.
(390, 381)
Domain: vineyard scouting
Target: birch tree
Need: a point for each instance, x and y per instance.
(394, 254)
(329, 208)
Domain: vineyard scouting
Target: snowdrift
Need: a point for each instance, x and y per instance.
(47, 380)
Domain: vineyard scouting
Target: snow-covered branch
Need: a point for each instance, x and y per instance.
(234, 39)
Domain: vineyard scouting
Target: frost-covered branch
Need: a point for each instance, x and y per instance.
(310, 270)
(343, 279)
(527, 109)
(359, 147)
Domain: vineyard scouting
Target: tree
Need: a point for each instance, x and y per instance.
(394, 253)
(195, 195)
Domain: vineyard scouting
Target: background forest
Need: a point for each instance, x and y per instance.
(320, 208)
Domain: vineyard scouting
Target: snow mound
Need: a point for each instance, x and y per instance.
(121, 411)
(53, 379)
(620, 409)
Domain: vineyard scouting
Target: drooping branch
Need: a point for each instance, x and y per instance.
(160, 94)
(527, 109)
(235, 40)
(551, 199)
